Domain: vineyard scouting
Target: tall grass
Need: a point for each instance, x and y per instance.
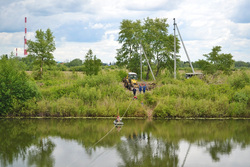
(75, 94)
(221, 96)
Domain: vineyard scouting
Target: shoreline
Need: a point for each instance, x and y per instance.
(138, 118)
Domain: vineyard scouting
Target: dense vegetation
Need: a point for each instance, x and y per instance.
(16, 88)
(103, 95)
(220, 96)
(92, 92)
(146, 38)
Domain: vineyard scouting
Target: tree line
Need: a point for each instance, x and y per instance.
(149, 36)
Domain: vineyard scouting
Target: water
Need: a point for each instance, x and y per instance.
(80, 142)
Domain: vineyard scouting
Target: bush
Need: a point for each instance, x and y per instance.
(239, 80)
(150, 99)
(242, 96)
(15, 87)
(89, 95)
(122, 74)
(76, 68)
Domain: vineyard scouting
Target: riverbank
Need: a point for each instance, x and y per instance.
(75, 95)
(92, 118)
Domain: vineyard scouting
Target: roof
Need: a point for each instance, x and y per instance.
(132, 73)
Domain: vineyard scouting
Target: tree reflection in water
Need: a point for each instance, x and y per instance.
(28, 142)
(41, 154)
(144, 150)
(218, 147)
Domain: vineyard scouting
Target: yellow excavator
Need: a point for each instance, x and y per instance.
(130, 81)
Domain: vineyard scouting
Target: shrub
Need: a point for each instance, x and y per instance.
(242, 95)
(77, 68)
(122, 74)
(150, 99)
(89, 95)
(239, 80)
(15, 87)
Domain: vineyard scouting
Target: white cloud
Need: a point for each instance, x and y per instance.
(99, 26)
(203, 24)
(104, 49)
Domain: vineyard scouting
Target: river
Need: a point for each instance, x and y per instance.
(97, 142)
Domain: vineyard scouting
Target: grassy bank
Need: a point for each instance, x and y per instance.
(221, 96)
(66, 94)
(73, 94)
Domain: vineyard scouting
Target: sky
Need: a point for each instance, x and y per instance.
(80, 25)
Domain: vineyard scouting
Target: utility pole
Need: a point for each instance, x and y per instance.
(174, 52)
(185, 49)
(148, 62)
(25, 37)
(140, 60)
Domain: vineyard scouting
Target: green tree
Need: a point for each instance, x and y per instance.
(75, 62)
(91, 64)
(29, 61)
(42, 49)
(129, 37)
(159, 44)
(153, 35)
(239, 64)
(15, 86)
(216, 61)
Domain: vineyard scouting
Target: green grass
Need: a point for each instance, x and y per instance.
(73, 94)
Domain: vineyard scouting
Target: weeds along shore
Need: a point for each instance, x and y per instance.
(73, 94)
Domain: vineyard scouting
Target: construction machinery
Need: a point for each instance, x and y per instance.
(130, 81)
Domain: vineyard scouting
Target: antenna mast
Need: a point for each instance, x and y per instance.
(25, 39)
(174, 52)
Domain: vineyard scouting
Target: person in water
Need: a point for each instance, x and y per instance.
(118, 119)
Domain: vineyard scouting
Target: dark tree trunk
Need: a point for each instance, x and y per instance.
(158, 69)
(148, 73)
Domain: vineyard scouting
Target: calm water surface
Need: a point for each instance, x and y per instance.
(80, 142)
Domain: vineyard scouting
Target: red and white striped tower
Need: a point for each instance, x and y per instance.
(25, 39)
(16, 51)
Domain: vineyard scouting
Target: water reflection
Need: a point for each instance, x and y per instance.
(77, 142)
(41, 153)
(144, 150)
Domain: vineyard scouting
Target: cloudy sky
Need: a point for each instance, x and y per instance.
(80, 25)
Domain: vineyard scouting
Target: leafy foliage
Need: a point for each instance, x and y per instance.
(75, 62)
(152, 35)
(240, 80)
(15, 86)
(42, 49)
(92, 65)
(242, 64)
(216, 61)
